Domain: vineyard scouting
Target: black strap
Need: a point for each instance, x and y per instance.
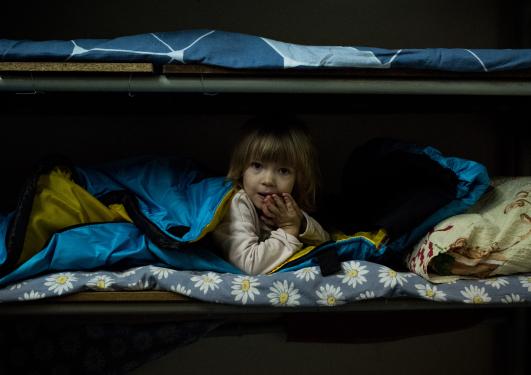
(328, 262)
(146, 226)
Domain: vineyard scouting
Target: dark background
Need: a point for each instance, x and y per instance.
(90, 128)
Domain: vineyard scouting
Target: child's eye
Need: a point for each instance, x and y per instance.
(284, 171)
(256, 165)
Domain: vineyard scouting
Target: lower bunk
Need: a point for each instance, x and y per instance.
(146, 331)
(357, 281)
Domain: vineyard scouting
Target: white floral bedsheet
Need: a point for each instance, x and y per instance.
(358, 280)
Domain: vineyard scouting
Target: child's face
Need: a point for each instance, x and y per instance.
(265, 178)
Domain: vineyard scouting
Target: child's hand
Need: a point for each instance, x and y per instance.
(283, 212)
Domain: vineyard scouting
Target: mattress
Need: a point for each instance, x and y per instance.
(243, 51)
(357, 281)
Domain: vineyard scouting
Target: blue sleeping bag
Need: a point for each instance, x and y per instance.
(163, 210)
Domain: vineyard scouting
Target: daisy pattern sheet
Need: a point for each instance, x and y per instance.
(358, 280)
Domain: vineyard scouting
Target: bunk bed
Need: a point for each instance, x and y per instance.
(159, 293)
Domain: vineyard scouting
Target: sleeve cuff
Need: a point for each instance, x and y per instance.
(307, 229)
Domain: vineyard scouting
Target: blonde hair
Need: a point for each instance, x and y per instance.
(281, 140)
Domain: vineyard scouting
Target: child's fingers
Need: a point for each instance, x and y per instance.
(276, 199)
(279, 202)
(267, 212)
(290, 197)
(267, 202)
(265, 209)
(290, 202)
(272, 207)
(268, 221)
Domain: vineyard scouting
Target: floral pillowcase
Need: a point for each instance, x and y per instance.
(492, 238)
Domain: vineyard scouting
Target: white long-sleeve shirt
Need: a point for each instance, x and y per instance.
(249, 244)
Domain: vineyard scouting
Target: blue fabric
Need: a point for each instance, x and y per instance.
(353, 248)
(236, 50)
(198, 257)
(4, 224)
(84, 248)
(111, 246)
(473, 183)
(173, 192)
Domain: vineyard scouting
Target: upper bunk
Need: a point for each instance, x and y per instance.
(215, 61)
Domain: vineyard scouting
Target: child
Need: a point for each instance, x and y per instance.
(274, 165)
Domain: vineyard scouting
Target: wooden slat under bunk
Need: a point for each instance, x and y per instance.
(126, 296)
(194, 70)
(152, 304)
(206, 70)
(75, 67)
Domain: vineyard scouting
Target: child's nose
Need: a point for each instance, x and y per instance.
(268, 178)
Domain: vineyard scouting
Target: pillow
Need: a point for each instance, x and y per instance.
(492, 238)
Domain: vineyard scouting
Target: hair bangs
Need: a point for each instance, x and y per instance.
(271, 148)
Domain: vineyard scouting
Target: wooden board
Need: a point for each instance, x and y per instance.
(207, 70)
(137, 296)
(25, 66)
